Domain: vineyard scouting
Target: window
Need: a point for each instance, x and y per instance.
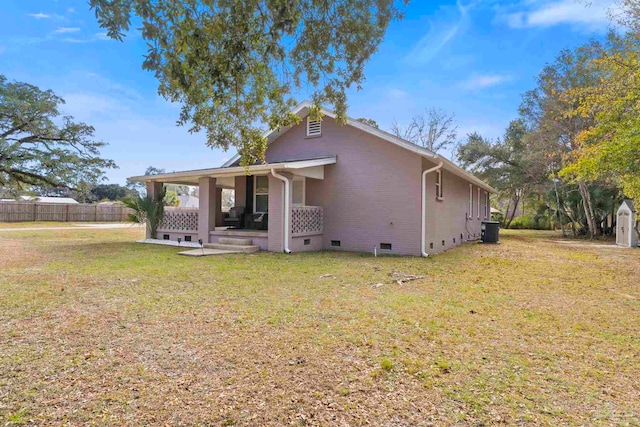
(165, 237)
(187, 238)
(486, 205)
(335, 243)
(314, 127)
(299, 184)
(439, 185)
(385, 246)
(478, 203)
(261, 194)
(470, 202)
(307, 242)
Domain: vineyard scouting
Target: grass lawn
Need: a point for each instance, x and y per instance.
(96, 329)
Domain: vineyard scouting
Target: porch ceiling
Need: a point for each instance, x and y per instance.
(312, 168)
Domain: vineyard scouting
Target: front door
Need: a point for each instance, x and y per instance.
(623, 229)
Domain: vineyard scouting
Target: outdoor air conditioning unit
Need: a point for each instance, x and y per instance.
(490, 232)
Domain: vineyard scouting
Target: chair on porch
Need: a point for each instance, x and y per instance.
(257, 221)
(235, 218)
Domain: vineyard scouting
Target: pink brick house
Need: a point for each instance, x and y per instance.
(326, 186)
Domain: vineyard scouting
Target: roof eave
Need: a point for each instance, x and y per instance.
(233, 171)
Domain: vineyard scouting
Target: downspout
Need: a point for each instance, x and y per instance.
(423, 243)
(286, 208)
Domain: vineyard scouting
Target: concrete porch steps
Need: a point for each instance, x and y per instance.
(247, 249)
(206, 252)
(235, 241)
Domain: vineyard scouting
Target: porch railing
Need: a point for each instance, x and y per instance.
(306, 220)
(180, 219)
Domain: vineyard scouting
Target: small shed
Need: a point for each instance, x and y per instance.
(626, 234)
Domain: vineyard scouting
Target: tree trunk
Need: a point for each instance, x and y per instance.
(555, 184)
(588, 209)
(506, 215)
(516, 200)
(572, 219)
(558, 213)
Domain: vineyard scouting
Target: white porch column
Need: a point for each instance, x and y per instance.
(153, 188)
(207, 208)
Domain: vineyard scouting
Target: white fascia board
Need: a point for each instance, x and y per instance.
(194, 175)
(315, 172)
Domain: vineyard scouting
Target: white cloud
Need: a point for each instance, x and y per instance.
(71, 10)
(91, 105)
(39, 15)
(482, 81)
(95, 37)
(591, 16)
(66, 30)
(76, 40)
(449, 23)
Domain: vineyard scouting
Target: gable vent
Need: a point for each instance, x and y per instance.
(314, 127)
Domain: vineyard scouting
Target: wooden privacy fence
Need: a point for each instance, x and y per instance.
(30, 211)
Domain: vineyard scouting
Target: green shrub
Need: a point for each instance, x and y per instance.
(537, 222)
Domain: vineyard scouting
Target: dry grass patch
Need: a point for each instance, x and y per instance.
(96, 329)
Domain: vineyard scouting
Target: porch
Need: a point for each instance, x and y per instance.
(270, 209)
(182, 223)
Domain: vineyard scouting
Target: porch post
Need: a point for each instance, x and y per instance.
(153, 188)
(207, 208)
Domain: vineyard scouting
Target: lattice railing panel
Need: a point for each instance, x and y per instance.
(306, 219)
(180, 219)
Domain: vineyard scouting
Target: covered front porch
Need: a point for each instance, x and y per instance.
(271, 205)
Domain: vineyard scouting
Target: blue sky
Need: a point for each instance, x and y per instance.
(474, 59)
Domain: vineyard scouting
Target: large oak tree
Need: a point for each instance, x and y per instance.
(233, 64)
(41, 148)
